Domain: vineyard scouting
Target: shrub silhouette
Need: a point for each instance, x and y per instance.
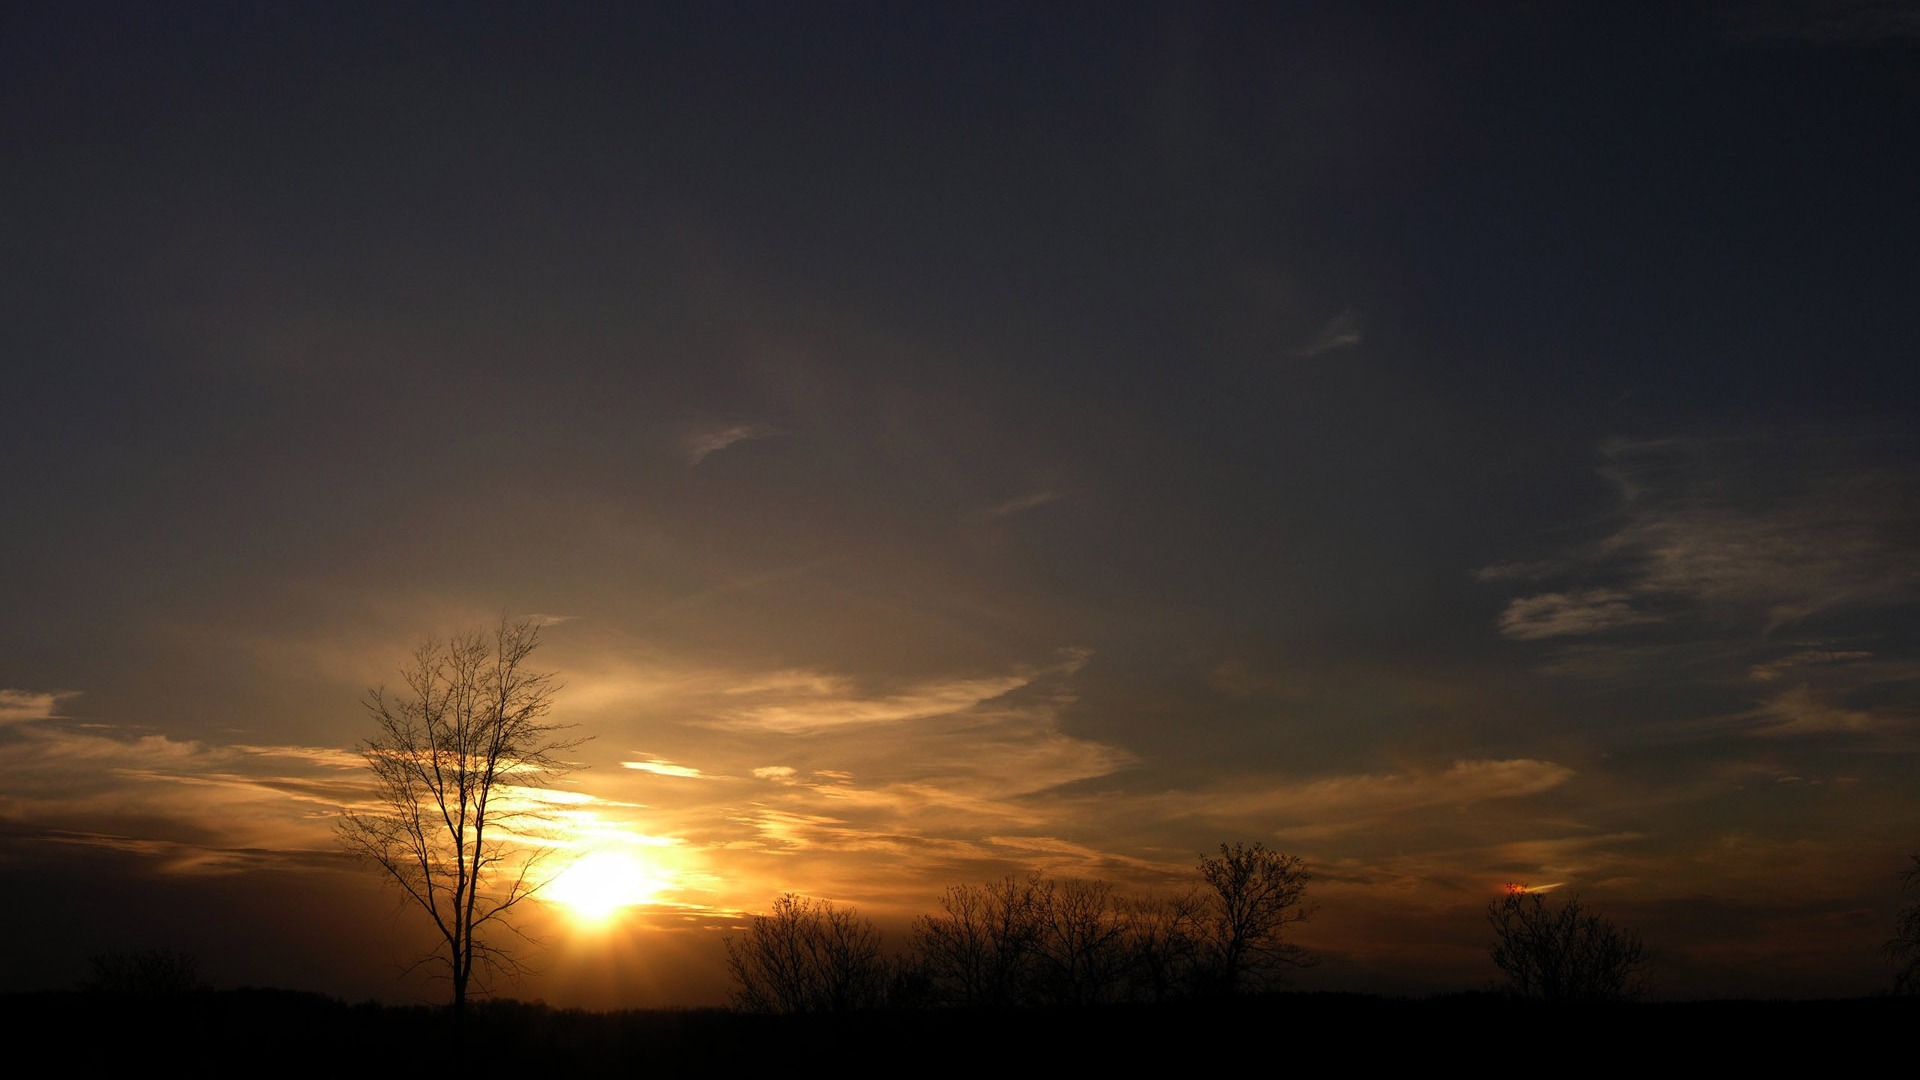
(148, 973)
(1904, 947)
(1563, 954)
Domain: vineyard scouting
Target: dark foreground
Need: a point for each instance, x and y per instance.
(308, 1034)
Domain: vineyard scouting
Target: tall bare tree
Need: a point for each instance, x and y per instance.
(1253, 896)
(449, 820)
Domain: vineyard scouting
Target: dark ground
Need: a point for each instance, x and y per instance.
(297, 1033)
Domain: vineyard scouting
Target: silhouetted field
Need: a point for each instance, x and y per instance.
(309, 1034)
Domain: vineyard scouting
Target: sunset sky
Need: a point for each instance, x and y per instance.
(1457, 444)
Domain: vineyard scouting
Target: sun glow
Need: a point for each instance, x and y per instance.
(600, 883)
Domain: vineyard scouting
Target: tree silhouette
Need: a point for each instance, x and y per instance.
(1080, 947)
(148, 973)
(1252, 897)
(1037, 941)
(1904, 948)
(979, 951)
(808, 956)
(452, 758)
(1163, 942)
(1564, 954)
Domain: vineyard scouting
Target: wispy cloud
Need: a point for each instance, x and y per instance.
(1520, 571)
(921, 702)
(805, 768)
(1803, 710)
(1343, 332)
(790, 681)
(152, 788)
(330, 756)
(193, 805)
(1333, 805)
(1590, 611)
(1804, 659)
(23, 705)
(797, 701)
(696, 446)
(1022, 502)
(1731, 531)
(1788, 528)
(177, 857)
(659, 767)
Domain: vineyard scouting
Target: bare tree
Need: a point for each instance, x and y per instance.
(808, 956)
(1081, 942)
(1904, 948)
(1565, 953)
(979, 951)
(1163, 938)
(1252, 897)
(449, 818)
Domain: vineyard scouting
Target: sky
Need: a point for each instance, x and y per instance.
(1456, 444)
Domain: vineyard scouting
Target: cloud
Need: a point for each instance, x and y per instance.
(1787, 528)
(953, 771)
(1520, 571)
(1804, 711)
(1791, 564)
(811, 702)
(787, 829)
(1547, 615)
(804, 768)
(177, 857)
(697, 446)
(659, 767)
(1022, 502)
(1713, 534)
(1240, 681)
(155, 790)
(1774, 669)
(1335, 804)
(203, 807)
(17, 706)
(1343, 332)
(791, 681)
(331, 756)
(827, 708)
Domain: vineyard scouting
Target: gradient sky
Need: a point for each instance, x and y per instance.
(1458, 444)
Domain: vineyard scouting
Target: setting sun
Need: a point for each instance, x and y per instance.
(602, 882)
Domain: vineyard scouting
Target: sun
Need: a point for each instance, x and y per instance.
(600, 883)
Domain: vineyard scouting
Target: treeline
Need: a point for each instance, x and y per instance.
(1021, 942)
